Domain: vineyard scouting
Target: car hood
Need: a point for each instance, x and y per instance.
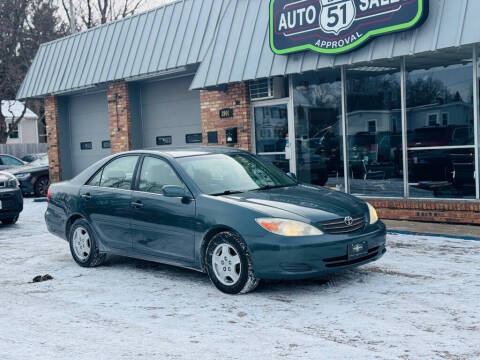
(27, 168)
(314, 203)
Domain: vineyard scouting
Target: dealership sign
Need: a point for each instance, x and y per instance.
(337, 26)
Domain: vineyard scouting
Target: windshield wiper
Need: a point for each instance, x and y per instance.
(228, 192)
(268, 187)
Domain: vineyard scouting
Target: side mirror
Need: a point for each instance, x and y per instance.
(173, 191)
(292, 176)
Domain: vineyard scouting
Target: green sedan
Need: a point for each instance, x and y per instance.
(222, 211)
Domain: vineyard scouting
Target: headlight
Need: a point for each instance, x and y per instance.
(372, 214)
(23, 176)
(9, 180)
(285, 227)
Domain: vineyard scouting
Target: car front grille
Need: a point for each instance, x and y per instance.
(339, 226)
(343, 260)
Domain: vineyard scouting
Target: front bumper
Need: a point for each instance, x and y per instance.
(281, 258)
(12, 203)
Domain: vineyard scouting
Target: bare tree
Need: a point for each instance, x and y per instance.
(91, 13)
(24, 25)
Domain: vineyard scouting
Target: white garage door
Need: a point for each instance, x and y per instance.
(171, 114)
(89, 127)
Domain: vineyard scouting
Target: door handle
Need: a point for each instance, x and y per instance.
(137, 204)
(87, 196)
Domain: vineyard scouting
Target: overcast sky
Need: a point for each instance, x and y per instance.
(154, 3)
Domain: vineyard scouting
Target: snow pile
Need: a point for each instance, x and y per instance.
(419, 302)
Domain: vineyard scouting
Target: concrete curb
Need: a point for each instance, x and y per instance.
(457, 237)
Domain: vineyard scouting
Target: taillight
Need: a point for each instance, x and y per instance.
(48, 194)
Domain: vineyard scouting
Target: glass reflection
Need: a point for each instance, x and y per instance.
(375, 131)
(440, 115)
(271, 133)
(318, 108)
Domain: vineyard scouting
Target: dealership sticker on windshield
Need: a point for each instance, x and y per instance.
(337, 26)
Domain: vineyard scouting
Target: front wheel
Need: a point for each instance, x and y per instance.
(228, 264)
(83, 245)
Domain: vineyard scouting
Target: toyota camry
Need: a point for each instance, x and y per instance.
(224, 212)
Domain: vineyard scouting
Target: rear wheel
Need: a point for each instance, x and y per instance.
(10, 221)
(83, 246)
(41, 186)
(228, 264)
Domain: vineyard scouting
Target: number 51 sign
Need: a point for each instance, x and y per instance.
(337, 26)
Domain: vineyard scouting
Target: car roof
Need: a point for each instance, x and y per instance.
(179, 152)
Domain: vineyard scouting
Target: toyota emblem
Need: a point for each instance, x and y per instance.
(348, 221)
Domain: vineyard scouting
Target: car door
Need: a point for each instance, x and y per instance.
(162, 226)
(107, 202)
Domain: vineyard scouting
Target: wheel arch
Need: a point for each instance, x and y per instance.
(71, 220)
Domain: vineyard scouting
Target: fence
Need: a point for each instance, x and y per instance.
(20, 150)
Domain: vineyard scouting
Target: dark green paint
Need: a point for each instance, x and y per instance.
(173, 230)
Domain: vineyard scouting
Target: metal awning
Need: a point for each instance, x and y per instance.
(165, 38)
(241, 50)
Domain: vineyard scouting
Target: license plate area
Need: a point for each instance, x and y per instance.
(357, 249)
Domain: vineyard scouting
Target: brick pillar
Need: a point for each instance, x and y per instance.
(237, 97)
(119, 116)
(52, 121)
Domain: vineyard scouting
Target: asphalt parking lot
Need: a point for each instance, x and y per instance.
(420, 301)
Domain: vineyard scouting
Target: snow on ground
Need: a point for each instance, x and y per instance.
(421, 301)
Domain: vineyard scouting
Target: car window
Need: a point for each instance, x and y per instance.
(118, 174)
(155, 174)
(95, 181)
(7, 160)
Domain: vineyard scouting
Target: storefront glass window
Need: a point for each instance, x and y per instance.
(318, 132)
(441, 153)
(374, 123)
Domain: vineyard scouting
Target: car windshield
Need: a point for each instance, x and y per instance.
(42, 161)
(219, 174)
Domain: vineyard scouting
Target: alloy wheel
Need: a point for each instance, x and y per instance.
(226, 264)
(42, 186)
(81, 243)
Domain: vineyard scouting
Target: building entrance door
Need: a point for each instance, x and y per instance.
(272, 139)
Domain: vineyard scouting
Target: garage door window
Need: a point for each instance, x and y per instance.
(118, 174)
(155, 175)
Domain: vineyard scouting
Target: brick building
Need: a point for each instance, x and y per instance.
(394, 120)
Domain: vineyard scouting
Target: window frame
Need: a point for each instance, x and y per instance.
(102, 168)
(136, 182)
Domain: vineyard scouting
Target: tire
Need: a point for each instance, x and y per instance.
(10, 221)
(83, 246)
(226, 249)
(41, 186)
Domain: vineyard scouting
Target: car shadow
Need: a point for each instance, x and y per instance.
(267, 287)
